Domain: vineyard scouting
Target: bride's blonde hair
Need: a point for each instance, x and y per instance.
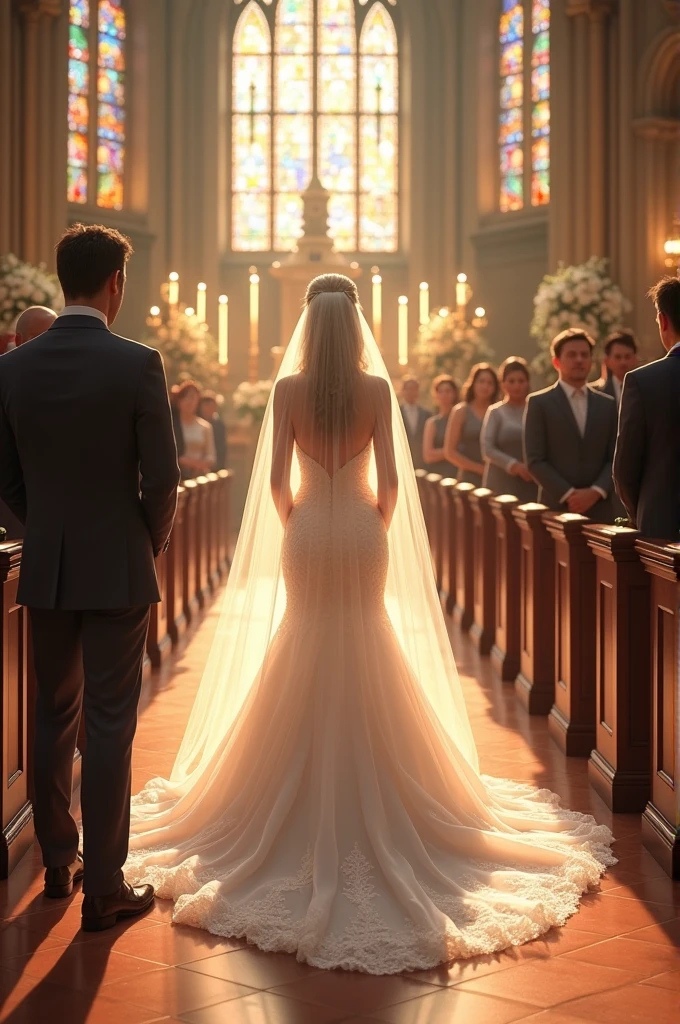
(332, 348)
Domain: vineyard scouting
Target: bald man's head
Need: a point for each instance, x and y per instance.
(34, 321)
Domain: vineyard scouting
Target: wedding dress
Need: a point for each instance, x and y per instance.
(326, 800)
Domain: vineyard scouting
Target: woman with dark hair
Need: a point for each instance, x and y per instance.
(445, 393)
(195, 438)
(505, 471)
(462, 442)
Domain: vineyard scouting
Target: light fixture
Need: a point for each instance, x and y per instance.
(672, 245)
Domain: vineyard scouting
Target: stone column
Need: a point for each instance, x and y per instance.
(41, 127)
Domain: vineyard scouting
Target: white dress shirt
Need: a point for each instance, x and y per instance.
(84, 311)
(411, 412)
(578, 401)
(618, 388)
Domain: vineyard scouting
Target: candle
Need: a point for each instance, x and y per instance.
(254, 353)
(173, 291)
(377, 309)
(155, 311)
(201, 299)
(403, 330)
(424, 302)
(189, 311)
(223, 335)
(461, 291)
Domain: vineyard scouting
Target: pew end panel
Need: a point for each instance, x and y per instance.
(619, 765)
(505, 652)
(464, 610)
(661, 817)
(535, 683)
(483, 629)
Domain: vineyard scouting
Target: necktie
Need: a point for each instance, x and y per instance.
(579, 404)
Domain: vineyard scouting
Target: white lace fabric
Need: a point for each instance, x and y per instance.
(338, 813)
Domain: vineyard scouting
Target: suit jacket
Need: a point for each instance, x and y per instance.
(88, 463)
(220, 434)
(647, 460)
(605, 385)
(415, 439)
(559, 458)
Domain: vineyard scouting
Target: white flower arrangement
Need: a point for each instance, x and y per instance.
(250, 400)
(581, 296)
(23, 285)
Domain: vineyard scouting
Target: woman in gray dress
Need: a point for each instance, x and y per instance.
(502, 446)
(462, 442)
(445, 392)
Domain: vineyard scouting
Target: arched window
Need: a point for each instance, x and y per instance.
(96, 145)
(323, 95)
(524, 124)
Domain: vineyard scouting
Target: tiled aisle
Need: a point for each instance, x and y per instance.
(616, 960)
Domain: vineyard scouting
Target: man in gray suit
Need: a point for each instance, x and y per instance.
(647, 460)
(570, 433)
(620, 356)
(415, 417)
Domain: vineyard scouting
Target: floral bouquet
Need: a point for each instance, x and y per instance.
(23, 285)
(189, 350)
(582, 296)
(250, 400)
(444, 346)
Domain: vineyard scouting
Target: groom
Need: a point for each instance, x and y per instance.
(88, 463)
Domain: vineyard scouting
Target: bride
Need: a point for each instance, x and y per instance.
(326, 799)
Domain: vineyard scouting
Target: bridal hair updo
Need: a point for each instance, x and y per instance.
(332, 349)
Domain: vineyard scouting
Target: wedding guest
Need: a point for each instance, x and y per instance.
(505, 471)
(208, 410)
(445, 393)
(195, 438)
(570, 432)
(415, 417)
(647, 460)
(462, 444)
(32, 322)
(620, 356)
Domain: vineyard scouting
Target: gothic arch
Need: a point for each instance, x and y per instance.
(658, 88)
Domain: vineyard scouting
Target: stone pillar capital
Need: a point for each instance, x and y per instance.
(597, 10)
(33, 10)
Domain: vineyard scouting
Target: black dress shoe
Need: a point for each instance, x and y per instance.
(59, 882)
(101, 912)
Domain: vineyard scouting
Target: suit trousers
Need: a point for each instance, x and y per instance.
(87, 662)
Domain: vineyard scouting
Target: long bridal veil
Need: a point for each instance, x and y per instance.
(326, 798)
(255, 598)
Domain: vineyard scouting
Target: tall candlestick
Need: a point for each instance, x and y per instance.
(403, 330)
(377, 309)
(201, 301)
(254, 351)
(223, 335)
(173, 291)
(424, 302)
(461, 292)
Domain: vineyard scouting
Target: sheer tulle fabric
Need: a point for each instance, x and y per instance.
(326, 799)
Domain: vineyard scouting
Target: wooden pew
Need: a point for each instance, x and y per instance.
(619, 765)
(159, 641)
(447, 490)
(189, 556)
(535, 683)
(225, 478)
(464, 611)
(661, 817)
(505, 653)
(16, 813)
(572, 716)
(202, 538)
(434, 516)
(483, 629)
(175, 565)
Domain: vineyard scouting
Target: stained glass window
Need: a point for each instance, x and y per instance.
(540, 99)
(524, 68)
(328, 90)
(251, 131)
(96, 148)
(78, 101)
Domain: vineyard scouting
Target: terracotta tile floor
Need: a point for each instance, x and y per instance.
(617, 960)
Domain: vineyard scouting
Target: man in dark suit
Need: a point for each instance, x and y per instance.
(647, 460)
(620, 356)
(570, 432)
(415, 417)
(88, 463)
